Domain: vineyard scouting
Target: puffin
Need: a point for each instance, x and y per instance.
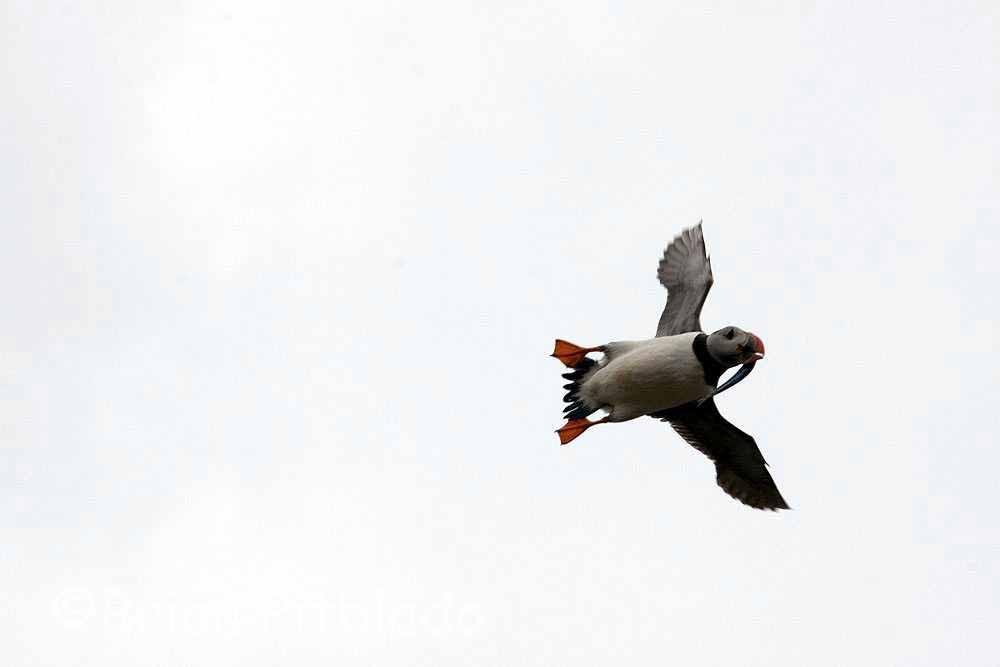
(674, 377)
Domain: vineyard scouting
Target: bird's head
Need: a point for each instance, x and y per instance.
(732, 346)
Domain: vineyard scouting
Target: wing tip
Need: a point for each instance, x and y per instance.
(689, 241)
(758, 496)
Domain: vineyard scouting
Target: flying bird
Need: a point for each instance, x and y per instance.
(674, 376)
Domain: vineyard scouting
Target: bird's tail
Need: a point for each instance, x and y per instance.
(578, 408)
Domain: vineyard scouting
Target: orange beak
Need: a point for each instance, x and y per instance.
(758, 347)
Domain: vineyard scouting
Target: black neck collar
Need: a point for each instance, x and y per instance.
(713, 369)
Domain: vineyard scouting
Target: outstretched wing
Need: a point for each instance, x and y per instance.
(686, 272)
(740, 468)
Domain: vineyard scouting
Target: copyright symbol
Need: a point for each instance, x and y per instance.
(74, 607)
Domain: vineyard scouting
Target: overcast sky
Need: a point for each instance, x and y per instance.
(281, 281)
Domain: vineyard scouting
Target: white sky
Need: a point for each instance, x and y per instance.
(281, 281)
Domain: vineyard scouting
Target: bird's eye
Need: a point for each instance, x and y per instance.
(729, 334)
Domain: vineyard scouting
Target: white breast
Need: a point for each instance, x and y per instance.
(645, 376)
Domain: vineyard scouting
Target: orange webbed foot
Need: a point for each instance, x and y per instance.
(571, 354)
(574, 428)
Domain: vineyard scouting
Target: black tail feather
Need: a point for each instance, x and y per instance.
(577, 408)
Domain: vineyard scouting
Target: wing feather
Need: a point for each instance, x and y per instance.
(740, 468)
(686, 272)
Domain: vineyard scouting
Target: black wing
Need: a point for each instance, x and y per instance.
(740, 469)
(686, 272)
